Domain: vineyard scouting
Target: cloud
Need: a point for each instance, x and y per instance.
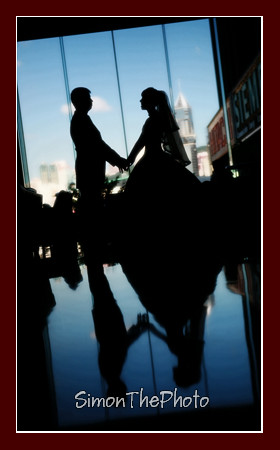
(64, 109)
(99, 105)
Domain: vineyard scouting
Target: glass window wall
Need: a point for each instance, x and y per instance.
(116, 66)
(192, 71)
(90, 63)
(141, 64)
(193, 79)
(42, 95)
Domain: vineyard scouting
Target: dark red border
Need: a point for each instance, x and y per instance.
(9, 251)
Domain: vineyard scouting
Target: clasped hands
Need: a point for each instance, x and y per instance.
(123, 164)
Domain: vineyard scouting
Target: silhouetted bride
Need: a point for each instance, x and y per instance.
(165, 158)
(159, 182)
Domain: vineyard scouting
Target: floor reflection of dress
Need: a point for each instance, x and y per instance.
(175, 295)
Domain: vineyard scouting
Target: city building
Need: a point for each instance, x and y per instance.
(183, 114)
(48, 173)
(54, 178)
(204, 161)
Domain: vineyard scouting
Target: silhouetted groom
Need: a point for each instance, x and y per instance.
(92, 151)
(92, 154)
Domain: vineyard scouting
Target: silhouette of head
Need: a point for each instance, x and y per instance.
(152, 98)
(81, 99)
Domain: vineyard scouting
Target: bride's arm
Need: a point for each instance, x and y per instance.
(140, 143)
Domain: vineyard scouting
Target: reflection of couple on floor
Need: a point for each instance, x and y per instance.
(184, 337)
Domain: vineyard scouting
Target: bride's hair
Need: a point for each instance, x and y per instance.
(154, 96)
(171, 139)
(160, 101)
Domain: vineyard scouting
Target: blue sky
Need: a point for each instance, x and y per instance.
(90, 62)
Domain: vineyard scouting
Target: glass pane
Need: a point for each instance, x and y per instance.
(141, 64)
(42, 94)
(90, 63)
(194, 84)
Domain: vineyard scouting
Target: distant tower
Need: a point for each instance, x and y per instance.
(183, 114)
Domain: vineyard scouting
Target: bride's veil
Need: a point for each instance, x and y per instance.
(171, 139)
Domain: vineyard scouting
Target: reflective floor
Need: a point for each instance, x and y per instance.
(152, 323)
(116, 367)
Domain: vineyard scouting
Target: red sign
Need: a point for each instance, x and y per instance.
(243, 112)
(217, 136)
